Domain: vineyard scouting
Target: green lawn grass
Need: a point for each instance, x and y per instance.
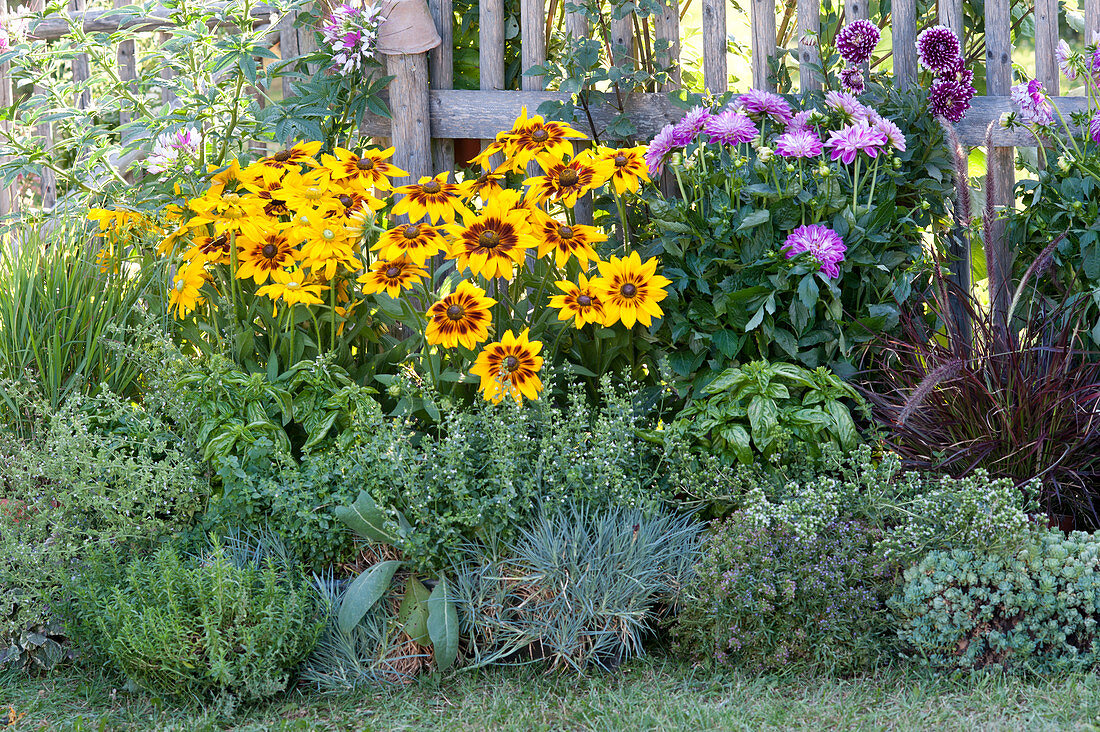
(650, 694)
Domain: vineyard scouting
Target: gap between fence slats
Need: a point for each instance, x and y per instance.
(715, 72)
(8, 198)
(441, 74)
(47, 180)
(808, 44)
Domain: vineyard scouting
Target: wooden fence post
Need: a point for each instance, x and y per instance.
(8, 196)
(763, 42)
(668, 29)
(905, 38)
(576, 26)
(491, 50)
(81, 70)
(809, 45)
(47, 179)
(412, 133)
(998, 43)
(716, 76)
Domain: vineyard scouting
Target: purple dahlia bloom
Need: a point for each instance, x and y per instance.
(858, 137)
(757, 103)
(1033, 104)
(851, 77)
(938, 48)
(798, 144)
(662, 144)
(1094, 128)
(730, 128)
(690, 125)
(801, 120)
(1063, 54)
(821, 243)
(857, 40)
(949, 96)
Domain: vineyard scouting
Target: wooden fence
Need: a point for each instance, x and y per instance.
(428, 114)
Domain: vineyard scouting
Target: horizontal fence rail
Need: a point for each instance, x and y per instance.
(429, 114)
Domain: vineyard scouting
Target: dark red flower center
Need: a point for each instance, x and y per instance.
(584, 301)
(455, 312)
(628, 290)
(620, 160)
(540, 135)
(269, 251)
(365, 164)
(432, 187)
(568, 177)
(283, 155)
(510, 363)
(565, 232)
(346, 200)
(412, 231)
(393, 271)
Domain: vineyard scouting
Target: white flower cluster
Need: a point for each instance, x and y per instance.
(172, 148)
(350, 34)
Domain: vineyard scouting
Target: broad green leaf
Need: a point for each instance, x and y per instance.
(413, 613)
(367, 589)
(366, 519)
(443, 625)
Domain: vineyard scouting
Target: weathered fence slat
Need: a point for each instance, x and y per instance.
(47, 179)
(715, 72)
(409, 104)
(762, 16)
(809, 49)
(950, 14)
(1092, 20)
(8, 199)
(998, 55)
(490, 53)
(109, 21)
(1046, 39)
(576, 26)
(668, 29)
(532, 42)
(904, 29)
(81, 69)
(127, 64)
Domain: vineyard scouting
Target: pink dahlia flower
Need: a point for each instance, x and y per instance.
(730, 128)
(858, 137)
(757, 104)
(1033, 104)
(798, 144)
(857, 40)
(821, 243)
(938, 48)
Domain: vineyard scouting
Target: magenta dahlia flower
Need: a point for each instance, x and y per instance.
(802, 143)
(803, 120)
(1094, 128)
(821, 243)
(851, 78)
(1033, 104)
(690, 125)
(857, 40)
(938, 48)
(949, 96)
(660, 147)
(757, 104)
(855, 138)
(730, 128)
